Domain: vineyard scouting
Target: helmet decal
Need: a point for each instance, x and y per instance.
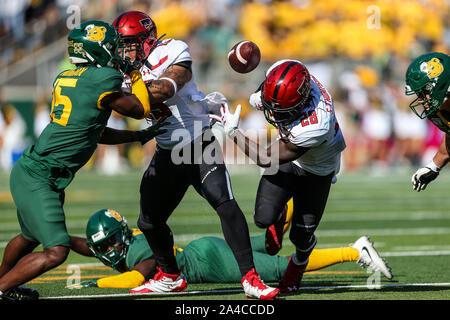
(113, 214)
(432, 68)
(77, 48)
(95, 33)
(281, 78)
(146, 23)
(98, 236)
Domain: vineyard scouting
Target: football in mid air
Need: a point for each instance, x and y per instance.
(244, 56)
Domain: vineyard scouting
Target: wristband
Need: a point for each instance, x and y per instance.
(431, 165)
(173, 83)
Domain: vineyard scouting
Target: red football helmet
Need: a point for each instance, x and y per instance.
(285, 92)
(137, 27)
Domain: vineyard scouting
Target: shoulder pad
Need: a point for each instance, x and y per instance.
(168, 52)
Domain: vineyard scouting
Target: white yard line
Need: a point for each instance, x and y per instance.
(357, 216)
(415, 253)
(225, 291)
(357, 232)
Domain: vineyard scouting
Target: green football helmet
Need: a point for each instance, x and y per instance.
(108, 236)
(93, 42)
(428, 77)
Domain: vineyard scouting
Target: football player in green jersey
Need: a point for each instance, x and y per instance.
(205, 260)
(83, 100)
(428, 77)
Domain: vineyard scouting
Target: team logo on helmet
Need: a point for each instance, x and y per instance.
(78, 48)
(113, 214)
(432, 68)
(146, 23)
(95, 33)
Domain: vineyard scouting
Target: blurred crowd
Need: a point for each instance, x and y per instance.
(358, 49)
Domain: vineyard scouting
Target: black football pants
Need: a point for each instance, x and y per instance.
(163, 186)
(310, 194)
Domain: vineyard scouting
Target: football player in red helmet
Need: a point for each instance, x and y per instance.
(166, 68)
(306, 158)
(138, 34)
(285, 92)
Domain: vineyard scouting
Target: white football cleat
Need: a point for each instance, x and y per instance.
(163, 283)
(369, 257)
(254, 287)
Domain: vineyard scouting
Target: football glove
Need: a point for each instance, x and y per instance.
(228, 120)
(84, 284)
(424, 176)
(89, 284)
(147, 134)
(255, 100)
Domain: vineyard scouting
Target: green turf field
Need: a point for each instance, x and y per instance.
(410, 230)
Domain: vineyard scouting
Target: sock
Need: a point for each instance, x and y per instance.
(160, 241)
(321, 258)
(290, 212)
(236, 234)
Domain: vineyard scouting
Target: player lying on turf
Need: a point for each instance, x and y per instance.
(428, 77)
(126, 250)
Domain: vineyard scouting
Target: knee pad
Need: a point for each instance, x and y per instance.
(265, 216)
(144, 225)
(302, 238)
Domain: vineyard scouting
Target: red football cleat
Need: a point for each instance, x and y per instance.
(163, 283)
(254, 287)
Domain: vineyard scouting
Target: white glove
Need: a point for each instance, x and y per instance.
(424, 176)
(255, 100)
(229, 121)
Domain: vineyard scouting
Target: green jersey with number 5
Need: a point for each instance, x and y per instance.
(77, 120)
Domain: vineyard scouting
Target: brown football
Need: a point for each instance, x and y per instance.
(244, 56)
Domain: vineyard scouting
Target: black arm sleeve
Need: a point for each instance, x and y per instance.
(186, 64)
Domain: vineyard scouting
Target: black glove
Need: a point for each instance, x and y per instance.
(145, 135)
(126, 66)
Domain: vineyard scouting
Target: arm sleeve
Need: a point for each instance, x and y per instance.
(130, 279)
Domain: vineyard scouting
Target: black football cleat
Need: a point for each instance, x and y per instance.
(20, 293)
